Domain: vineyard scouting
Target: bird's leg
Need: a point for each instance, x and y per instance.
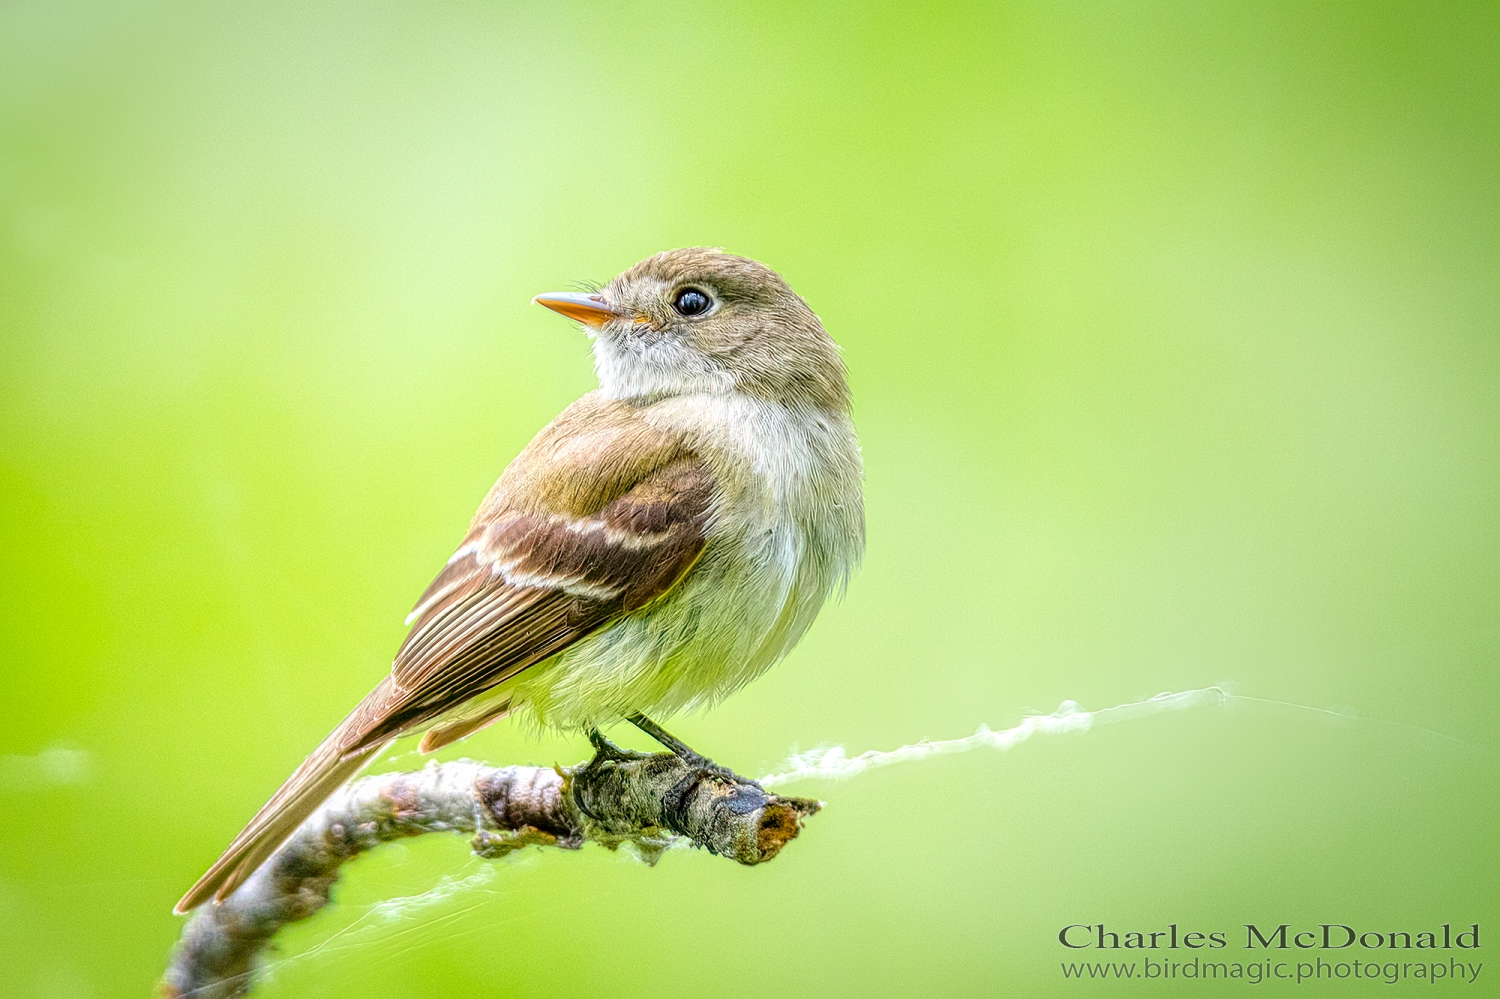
(662, 736)
(676, 745)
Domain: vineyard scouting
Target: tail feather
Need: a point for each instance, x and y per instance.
(437, 738)
(330, 766)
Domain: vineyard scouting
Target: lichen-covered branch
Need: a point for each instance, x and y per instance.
(618, 797)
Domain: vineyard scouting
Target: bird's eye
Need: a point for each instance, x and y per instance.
(692, 302)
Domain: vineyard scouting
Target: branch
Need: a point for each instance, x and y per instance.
(618, 797)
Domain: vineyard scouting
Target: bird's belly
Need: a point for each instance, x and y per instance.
(692, 647)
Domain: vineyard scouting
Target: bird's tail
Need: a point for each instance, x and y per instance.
(334, 762)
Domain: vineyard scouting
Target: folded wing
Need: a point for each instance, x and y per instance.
(525, 584)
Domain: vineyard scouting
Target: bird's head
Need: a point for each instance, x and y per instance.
(701, 320)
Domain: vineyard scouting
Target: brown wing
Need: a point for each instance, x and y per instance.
(521, 588)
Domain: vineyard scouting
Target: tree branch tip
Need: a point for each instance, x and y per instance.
(781, 821)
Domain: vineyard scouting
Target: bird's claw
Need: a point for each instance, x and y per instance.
(606, 751)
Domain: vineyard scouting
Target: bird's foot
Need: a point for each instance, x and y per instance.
(602, 771)
(606, 751)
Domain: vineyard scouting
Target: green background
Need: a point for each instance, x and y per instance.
(1172, 329)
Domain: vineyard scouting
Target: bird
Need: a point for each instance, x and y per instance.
(662, 542)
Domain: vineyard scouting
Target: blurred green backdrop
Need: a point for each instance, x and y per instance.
(1173, 334)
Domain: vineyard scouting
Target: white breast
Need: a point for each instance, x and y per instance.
(787, 529)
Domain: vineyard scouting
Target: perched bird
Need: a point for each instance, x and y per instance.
(659, 544)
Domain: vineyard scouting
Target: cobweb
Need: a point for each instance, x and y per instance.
(398, 924)
(833, 762)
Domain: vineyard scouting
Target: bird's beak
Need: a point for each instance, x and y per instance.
(591, 310)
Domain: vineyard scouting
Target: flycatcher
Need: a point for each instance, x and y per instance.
(658, 545)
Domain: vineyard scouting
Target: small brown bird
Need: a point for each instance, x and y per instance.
(661, 543)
